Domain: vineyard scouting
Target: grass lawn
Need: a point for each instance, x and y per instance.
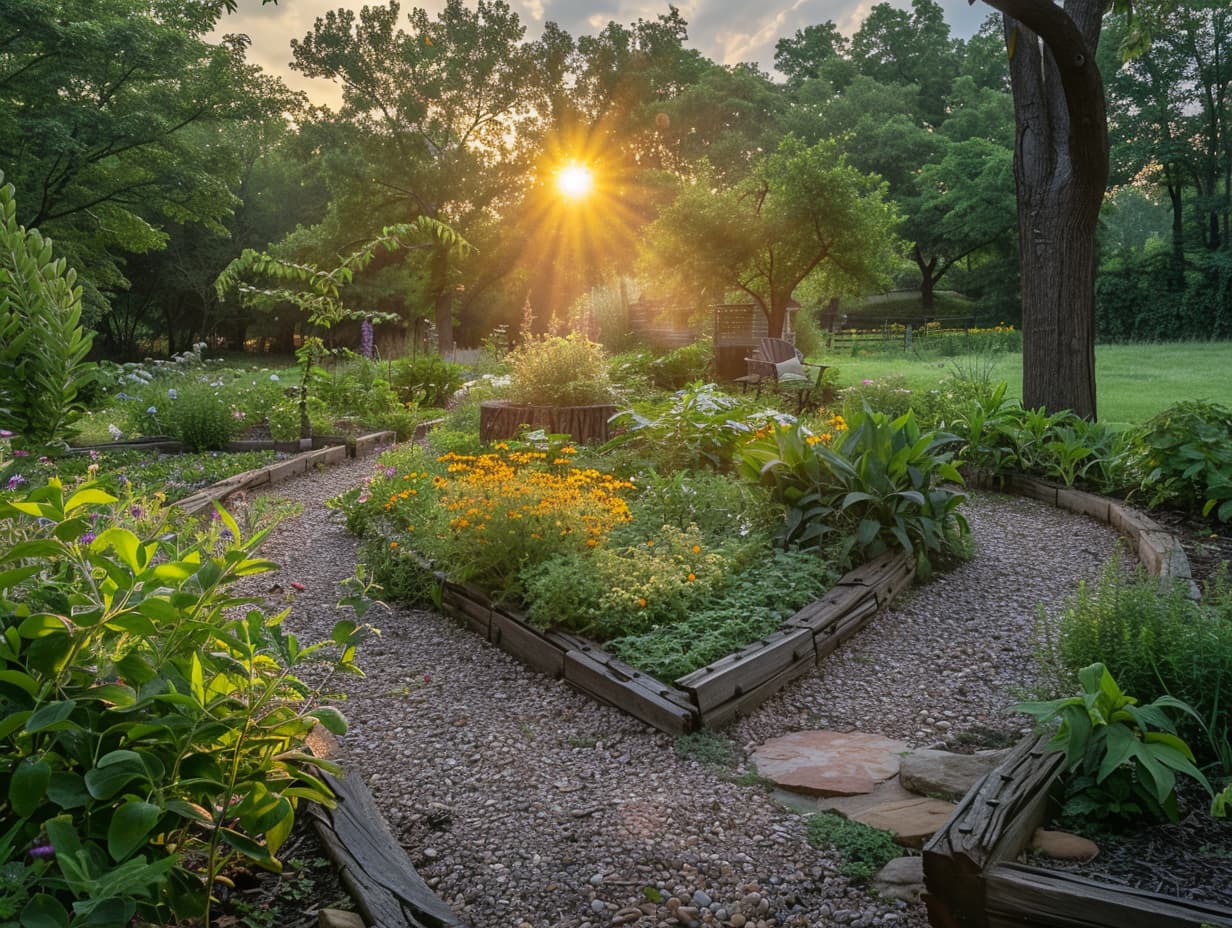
(1133, 382)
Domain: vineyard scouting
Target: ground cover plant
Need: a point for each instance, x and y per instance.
(153, 718)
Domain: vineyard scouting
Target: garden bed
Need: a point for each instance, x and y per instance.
(715, 694)
(972, 878)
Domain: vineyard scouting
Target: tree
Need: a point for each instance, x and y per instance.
(108, 115)
(803, 213)
(803, 57)
(1060, 170)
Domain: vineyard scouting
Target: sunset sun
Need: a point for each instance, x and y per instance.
(575, 181)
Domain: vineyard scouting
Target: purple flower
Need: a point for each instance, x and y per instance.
(42, 850)
(93, 455)
(389, 472)
(5, 433)
(122, 480)
(365, 338)
(21, 453)
(87, 538)
(44, 459)
(867, 381)
(15, 481)
(136, 512)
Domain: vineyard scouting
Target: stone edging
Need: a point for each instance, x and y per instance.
(715, 694)
(203, 500)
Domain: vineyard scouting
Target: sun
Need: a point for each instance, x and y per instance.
(575, 181)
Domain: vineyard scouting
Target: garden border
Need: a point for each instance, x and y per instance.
(713, 695)
(970, 876)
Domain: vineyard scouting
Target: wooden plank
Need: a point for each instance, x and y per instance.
(333, 454)
(366, 444)
(1084, 504)
(826, 612)
(1035, 489)
(371, 863)
(827, 641)
(748, 668)
(526, 644)
(888, 574)
(1056, 899)
(631, 694)
(721, 715)
(285, 470)
(1130, 522)
(473, 611)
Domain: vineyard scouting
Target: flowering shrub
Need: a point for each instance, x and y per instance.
(558, 370)
(487, 516)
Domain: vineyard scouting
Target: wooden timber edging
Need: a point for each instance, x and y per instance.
(713, 695)
(372, 866)
(970, 876)
(972, 880)
(203, 500)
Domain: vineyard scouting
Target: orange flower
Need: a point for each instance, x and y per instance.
(393, 544)
(642, 601)
(692, 577)
(697, 549)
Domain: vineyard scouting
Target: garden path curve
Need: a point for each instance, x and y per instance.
(523, 803)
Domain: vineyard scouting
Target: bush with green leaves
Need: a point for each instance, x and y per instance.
(862, 849)
(153, 718)
(43, 345)
(426, 380)
(880, 486)
(682, 366)
(1121, 759)
(556, 370)
(1185, 456)
(1157, 642)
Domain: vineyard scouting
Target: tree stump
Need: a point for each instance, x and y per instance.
(583, 424)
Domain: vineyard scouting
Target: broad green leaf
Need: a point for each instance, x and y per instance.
(44, 911)
(49, 714)
(90, 496)
(331, 719)
(130, 825)
(28, 785)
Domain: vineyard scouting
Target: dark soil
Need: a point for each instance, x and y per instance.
(1191, 859)
(1207, 542)
(308, 883)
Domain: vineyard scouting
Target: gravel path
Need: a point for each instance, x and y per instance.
(526, 805)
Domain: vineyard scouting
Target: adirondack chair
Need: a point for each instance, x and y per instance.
(776, 363)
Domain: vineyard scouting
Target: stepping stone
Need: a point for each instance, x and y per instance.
(887, 791)
(1063, 846)
(829, 763)
(944, 773)
(911, 821)
(902, 878)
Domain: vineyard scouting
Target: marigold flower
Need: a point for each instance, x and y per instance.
(641, 601)
(697, 549)
(393, 544)
(692, 577)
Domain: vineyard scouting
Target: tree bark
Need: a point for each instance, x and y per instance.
(928, 282)
(1061, 170)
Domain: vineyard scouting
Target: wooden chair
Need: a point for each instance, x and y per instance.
(777, 363)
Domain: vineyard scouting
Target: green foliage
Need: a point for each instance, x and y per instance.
(1186, 457)
(425, 380)
(43, 346)
(707, 748)
(153, 720)
(1121, 758)
(700, 429)
(863, 850)
(1156, 642)
(682, 366)
(201, 419)
(557, 370)
(877, 488)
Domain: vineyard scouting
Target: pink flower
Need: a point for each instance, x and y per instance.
(296, 585)
(867, 382)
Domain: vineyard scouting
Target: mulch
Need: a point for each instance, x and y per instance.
(1207, 542)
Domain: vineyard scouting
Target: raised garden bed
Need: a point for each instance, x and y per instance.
(583, 424)
(972, 878)
(715, 694)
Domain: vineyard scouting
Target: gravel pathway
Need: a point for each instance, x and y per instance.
(526, 805)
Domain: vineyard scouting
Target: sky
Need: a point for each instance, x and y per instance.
(728, 31)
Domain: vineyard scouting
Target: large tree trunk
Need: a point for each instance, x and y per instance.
(1061, 169)
(928, 282)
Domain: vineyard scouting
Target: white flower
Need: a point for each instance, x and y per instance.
(173, 393)
(152, 411)
(274, 378)
(115, 431)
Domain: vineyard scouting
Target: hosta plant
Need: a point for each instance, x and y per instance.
(1121, 759)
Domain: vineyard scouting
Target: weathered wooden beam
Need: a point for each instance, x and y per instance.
(746, 669)
(629, 690)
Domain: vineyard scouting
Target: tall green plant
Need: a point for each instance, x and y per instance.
(43, 345)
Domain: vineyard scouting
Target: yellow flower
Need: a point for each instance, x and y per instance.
(650, 543)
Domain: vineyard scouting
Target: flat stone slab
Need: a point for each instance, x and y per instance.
(902, 878)
(1063, 846)
(944, 773)
(829, 763)
(912, 821)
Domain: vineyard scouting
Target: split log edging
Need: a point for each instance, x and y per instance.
(970, 877)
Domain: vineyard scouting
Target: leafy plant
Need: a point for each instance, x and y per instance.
(43, 345)
(1185, 453)
(557, 370)
(152, 724)
(877, 488)
(1121, 758)
(708, 749)
(425, 380)
(863, 850)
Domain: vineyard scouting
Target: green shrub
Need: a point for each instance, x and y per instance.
(888, 395)
(1156, 642)
(201, 419)
(559, 371)
(151, 730)
(1121, 759)
(1185, 456)
(862, 849)
(43, 345)
(879, 487)
(425, 380)
(685, 365)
